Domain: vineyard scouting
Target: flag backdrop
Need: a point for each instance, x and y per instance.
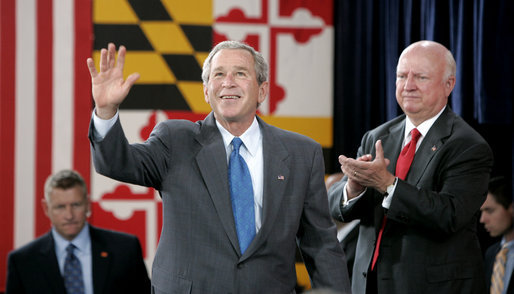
(45, 96)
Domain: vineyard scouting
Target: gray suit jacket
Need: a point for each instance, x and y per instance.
(429, 244)
(198, 250)
(117, 261)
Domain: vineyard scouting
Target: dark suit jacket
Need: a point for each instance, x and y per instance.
(198, 250)
(118, 265)
(490, 256)
(430, 243)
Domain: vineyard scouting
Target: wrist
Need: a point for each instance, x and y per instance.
(389, 189)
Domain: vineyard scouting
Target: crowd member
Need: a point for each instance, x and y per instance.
(76, 257)
(238, 194)
(417, 185)
(497, 217)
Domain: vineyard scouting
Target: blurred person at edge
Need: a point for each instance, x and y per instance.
(497, 217)
(111, 262)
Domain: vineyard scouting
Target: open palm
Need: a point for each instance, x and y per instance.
(109, 88)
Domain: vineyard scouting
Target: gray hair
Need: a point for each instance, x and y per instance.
(451, 65)
(64, 179)
(261, 66)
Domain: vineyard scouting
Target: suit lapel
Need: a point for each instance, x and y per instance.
(391, 144)
(100, 259)
(212, 162)
(48, 260)
(275, 177)
(430, 145)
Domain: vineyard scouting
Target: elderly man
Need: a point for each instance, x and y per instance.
(417, 185)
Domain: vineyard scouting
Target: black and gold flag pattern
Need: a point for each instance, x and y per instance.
(167, 42)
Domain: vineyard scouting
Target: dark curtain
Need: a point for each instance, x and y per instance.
(371, 34)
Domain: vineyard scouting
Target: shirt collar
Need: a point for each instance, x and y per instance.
(250, 137)
(424, 127)
(81, 241)
(510, 244)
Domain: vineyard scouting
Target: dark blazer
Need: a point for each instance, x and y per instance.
(118, 265)
(430, 243)
(490, 256)
(198, 250)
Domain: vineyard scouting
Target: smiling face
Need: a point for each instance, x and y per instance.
(423, 82)
(67, 209)
(232, 89)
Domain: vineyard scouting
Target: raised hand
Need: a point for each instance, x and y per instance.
(109, 88)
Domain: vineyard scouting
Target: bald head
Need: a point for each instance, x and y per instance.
(425, 77)
(436, 51)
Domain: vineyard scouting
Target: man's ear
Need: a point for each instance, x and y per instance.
(205, 93)
(449, 85)
(263, 92)
(44, 204)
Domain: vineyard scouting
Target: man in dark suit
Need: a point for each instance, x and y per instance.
(497, 217)
(202, 248)
(427, 241)
(108, 262)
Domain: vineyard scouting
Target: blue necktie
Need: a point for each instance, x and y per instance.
(241, 193)
(73, 273)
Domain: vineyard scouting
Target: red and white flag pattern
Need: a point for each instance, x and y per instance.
(45, 106)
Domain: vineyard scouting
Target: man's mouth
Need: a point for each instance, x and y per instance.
(230, 97)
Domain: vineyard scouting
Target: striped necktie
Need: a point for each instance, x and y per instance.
(499, 270)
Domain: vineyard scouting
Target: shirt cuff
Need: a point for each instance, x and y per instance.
(102, 126)
(386, 203)
(345, 196)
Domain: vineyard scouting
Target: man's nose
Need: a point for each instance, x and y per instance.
(68, 212)
(410, 84)
(482, 218)
(228, 81)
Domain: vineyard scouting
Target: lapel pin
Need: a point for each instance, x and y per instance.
(280, 177)
(104, 254)
(434, 148)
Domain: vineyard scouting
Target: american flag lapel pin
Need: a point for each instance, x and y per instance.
(434, 148)
(104, 254)
(280, 177)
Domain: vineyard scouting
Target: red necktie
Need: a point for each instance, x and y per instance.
(402, 168)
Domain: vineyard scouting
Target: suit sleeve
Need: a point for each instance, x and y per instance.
(322, 254)
(141, 164)
(14, 284)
